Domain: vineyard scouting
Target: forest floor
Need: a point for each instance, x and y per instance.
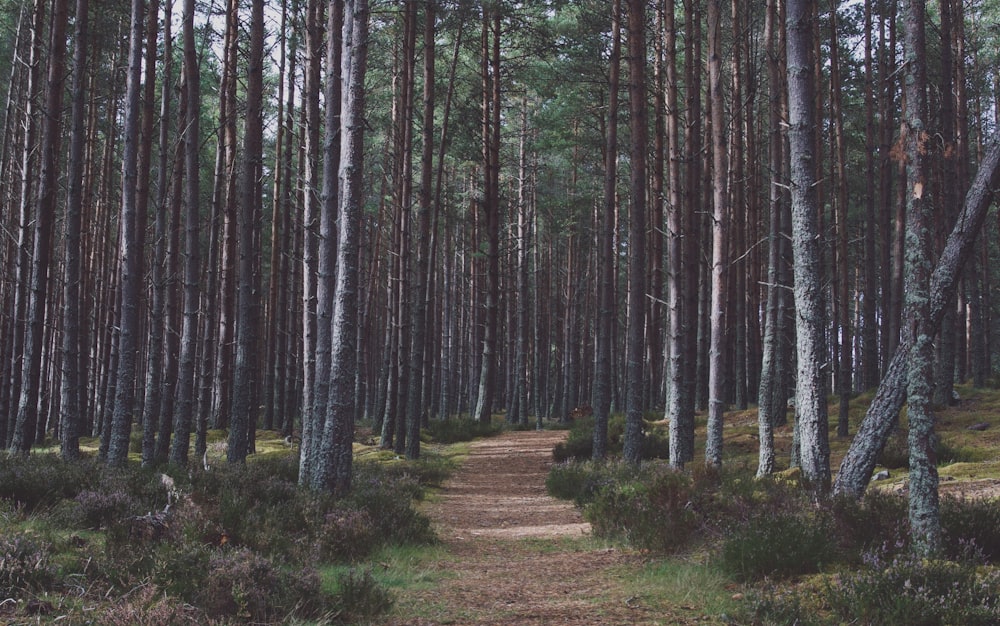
(512, 554)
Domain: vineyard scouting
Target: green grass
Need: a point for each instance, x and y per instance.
(701, 588)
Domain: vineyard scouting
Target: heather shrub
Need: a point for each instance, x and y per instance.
(387, 500)
(971, 524)
(25, 564)
(148, 606)
(878, 520)
(241, 584)
(460, 429)
(907, 590)
(569, 480)
(579, 444)
(101, 509)
(777, 546)
(773, 606)
(359, 595)
(896, 453)
(650, 510)
(181, 568)
(430, 470)
(44, 479)
(347, 534)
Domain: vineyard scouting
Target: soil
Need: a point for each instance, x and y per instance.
(515, 555)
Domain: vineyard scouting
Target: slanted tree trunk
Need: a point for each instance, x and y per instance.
(856, 468)
(634, 346)
(810, 317)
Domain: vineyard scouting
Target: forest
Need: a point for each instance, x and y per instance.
(349, 221)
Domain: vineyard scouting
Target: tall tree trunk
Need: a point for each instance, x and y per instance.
(842, 323)
(606, 313)
(189, 328)
(21, 431)
(869, 344)
(420, 298)
(720, 227)
(156, 349)
(129, 249)
(310, 230)
(71, 405)
(634, 346)
(810, 391)
(771, 402)
(246, 382)
(327, 250)
(681, 421)
(491, 193)
(339, 427)
(925, 516)
(44, 222)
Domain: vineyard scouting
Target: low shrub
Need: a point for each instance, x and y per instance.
(579, 445)
(879, 520)
(181, 568)
(347, 534)
(387, 500)
(100, 509)
(149, 606)
(454, 430)
(569, 480)
(359, 595)
(896, 453)
(242, 584)
(650, 510)
(25, 564)
(971, 524)
(430, 470)
(777, 546)
(906, 590)
(773, 606)
(44, 479)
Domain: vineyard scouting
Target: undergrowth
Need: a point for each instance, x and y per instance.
(770, 534)
(232, 544)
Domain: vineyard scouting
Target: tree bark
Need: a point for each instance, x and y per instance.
(856, 468)
(634, 346)
(246, 380)
(606, 313)
(720, 226)
(810, 392)
(338, 436)
(491, 208)
(925, 515)
(192, 262)
(71, 405)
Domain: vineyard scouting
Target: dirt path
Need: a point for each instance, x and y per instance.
(516, 555)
